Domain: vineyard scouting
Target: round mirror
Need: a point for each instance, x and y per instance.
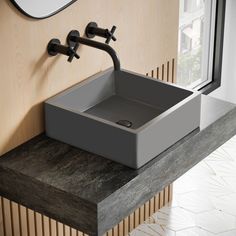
(41, 9)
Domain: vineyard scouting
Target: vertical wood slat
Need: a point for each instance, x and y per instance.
(173, 70)
(115, 231)
(158, 73)
(141, 214)
(152, 74)
(161, 199)
(126, 226)
(16, 220)
(170, 193)
(53, 227)
(31, 222)
(152, 206)
(7, 217)
(156, 203)
(131, 222)
(146, 210)
(168, 72)
(136, 218)
(46, 226)
(163, 72)
(23, 221)
(60, 227)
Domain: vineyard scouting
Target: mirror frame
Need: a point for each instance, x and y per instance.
(47, 16)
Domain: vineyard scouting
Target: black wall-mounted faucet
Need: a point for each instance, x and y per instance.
(55, 47)
(74, 39)
(93, 30)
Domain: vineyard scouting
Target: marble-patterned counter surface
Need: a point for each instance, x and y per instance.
(93, 194)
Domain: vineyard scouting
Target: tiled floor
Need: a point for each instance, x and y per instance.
(204, 201)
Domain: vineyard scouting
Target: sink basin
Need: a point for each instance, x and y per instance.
(123, 116)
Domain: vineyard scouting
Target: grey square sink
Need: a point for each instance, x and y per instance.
(123, 116)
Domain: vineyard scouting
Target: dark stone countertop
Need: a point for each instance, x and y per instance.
(93, 194)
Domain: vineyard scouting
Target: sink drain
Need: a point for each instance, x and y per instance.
(125, 123)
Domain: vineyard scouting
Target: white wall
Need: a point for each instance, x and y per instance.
(227, 91)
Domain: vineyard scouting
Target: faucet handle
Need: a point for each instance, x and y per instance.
(73, 45)
(72, 53)
(93, 30)
(110, 35)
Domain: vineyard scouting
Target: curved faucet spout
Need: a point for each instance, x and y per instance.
(98, 45)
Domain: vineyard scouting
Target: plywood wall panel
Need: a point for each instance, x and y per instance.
(147, 36)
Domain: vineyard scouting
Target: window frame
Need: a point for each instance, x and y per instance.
(218, 49)
(207, 48)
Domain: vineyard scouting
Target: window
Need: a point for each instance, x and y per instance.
(200, 41)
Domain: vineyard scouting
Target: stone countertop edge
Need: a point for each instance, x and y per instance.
(93, 194)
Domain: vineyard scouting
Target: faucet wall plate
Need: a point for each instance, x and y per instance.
(88, 32)
(51, 46)
(123, 116)
(72, 34)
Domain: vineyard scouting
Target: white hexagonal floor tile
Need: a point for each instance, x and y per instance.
(216, 186)
(196, 231)
(196, 202)
(221, 154)
(229, 233)
(215, 221)
(224, 168)
(230, 148)
(174, 218)
(201, 170)
(160, 230)
(227, 204)
(231, 182)
(185, 184)
(152, 230)
(142, 230)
